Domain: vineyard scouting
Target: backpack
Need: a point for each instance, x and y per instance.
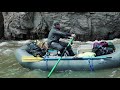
(97, 49)
(103, 48)
(35, 50)
(111, 45)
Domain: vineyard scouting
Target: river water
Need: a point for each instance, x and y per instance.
(10, 68)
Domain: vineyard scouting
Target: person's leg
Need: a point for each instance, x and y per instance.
(57, 46)
(69, 49)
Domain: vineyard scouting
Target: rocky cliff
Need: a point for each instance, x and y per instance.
(86, 25)
(1, 26)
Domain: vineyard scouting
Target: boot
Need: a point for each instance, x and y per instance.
(71, 53)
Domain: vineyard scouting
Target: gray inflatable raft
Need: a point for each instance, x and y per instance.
(70, 63)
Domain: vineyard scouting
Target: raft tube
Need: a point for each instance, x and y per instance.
(69, 62)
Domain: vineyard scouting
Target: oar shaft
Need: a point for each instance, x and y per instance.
(54, 67)
(59, 58)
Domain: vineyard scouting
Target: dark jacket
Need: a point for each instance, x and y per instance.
(55, 35)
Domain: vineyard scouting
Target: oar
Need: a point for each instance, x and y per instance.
(31, 59)
(60, 58)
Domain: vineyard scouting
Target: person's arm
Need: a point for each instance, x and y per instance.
(62, 34)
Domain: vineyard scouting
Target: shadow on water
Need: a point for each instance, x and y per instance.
(10, 68)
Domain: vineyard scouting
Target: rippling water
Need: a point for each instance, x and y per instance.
(10, 68)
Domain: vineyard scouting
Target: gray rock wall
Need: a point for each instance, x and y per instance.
(1, 26)
(86, 25)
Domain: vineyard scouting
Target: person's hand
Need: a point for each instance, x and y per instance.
(73, 35)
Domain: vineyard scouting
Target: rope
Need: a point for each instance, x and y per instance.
(46, 55)
(91, 65)
(47, 64)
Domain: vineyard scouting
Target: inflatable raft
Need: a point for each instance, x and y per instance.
(69, 62)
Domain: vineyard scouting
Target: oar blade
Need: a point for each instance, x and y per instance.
(31, 59)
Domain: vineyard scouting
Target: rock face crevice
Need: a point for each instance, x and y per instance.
(1, 26)
(36, 25)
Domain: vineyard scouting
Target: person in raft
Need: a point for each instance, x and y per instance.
(54, 39)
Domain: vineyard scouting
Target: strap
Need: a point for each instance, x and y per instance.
(91, 65)
(47, 64)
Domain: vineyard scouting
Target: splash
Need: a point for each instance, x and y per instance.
(24, 42)
(8, 52)
(3, 44)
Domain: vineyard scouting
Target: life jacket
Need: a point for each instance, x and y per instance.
(100, 44)
(104, 44)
